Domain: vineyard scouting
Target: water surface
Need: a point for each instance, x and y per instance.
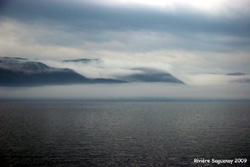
(122, 133)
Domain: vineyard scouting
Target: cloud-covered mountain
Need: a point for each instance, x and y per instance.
(150, 75)
(245, 80)
(142, 74)
(81, 60)
(236, 74)
(22, 72)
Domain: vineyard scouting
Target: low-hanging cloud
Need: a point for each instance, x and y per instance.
(113, 68)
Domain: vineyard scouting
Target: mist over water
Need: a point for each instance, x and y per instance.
(132, 90)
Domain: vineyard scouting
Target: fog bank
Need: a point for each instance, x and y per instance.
(129, 91)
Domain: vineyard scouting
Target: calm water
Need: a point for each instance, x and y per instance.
(122, 134)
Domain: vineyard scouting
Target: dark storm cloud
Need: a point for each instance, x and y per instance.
(93, 17)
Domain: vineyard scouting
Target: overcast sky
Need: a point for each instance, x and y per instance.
(196, 41)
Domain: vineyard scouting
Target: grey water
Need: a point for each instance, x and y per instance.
(122, 133)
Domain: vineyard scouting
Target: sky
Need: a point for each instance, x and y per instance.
(196, 41)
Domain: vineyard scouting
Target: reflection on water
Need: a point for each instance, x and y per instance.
(122, 134)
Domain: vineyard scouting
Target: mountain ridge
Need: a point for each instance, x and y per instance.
(21, 72)
(24, 72)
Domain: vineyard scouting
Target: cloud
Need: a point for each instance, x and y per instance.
(215, 7)
(214, 79)
(120, 51)
(31, 36)
(191, 74)
(86, 16)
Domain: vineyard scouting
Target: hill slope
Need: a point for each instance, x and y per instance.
(22, 72)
